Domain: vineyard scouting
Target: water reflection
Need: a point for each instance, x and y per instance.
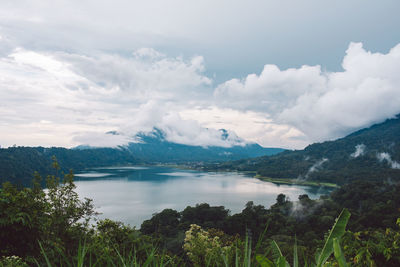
(133, 194)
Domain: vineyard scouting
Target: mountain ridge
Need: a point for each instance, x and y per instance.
(371, 153)
(18, 164)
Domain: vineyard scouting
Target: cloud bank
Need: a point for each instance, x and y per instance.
(322, 105)
(59, 98)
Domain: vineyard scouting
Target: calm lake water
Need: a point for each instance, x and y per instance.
(133, 194)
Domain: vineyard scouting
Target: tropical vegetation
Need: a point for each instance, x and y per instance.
(54, 227)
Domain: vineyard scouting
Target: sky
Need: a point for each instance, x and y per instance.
(280, 73)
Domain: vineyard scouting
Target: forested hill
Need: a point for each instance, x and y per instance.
(18, 164)
(368, 154)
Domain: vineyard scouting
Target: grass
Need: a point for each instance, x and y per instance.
(295, 181)
(244, 257)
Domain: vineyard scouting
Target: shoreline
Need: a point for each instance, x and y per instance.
(287, 181)
(295, 182)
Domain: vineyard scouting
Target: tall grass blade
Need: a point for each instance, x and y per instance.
(295, 254)
(81, 254)
(337, 231)
(44, 255)
(261, 237)
(120, 257)
(225, 259)
(248, 251)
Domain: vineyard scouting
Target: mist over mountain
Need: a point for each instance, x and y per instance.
(19, 163)
(154, 147)
(369, 154)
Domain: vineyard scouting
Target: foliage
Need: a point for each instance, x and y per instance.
(54, 227)
(12, 261)
(373, 247)
(336, 232)
(17, 164)
(205, 248)
(307, 219)
(339, 167)
(331, 246)
(58, 218)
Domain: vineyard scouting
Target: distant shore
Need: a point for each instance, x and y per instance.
(287, 181)
(295, 181)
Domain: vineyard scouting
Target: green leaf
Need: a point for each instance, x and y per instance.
(337, 231)
(264, 262)
(276, 249)
(44, 254)
(337, 251)
(282, 262)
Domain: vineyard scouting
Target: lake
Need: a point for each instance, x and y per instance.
(133, 194)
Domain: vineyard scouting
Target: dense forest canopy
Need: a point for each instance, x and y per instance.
(18, 164)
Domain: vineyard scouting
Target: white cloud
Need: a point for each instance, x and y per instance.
(68, 99)
(386, 157)
(273, 90)
(322, 105)
(360, 150)
(147, 52)
(95, 139)
(90, 95)
(255, 127)
(192, 133)
(84, 94)
(95, 66)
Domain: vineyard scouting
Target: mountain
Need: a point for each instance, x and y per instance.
(154, 147)
(19, 163)
(368, 154)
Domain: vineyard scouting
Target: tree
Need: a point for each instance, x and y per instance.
(56, 218)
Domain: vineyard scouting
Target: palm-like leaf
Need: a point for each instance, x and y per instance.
(337, 231)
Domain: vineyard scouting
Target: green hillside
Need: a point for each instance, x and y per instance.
(369, 154)
(18, 164)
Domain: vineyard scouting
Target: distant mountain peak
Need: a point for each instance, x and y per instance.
(154, 134)
(224, 134)
(113, 133)
(218, 138)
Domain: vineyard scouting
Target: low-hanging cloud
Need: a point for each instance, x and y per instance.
(386, 157)
(323, 105)
(95, 139)
(317, 166)
(360, 150)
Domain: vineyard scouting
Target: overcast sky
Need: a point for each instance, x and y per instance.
(280, 73)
